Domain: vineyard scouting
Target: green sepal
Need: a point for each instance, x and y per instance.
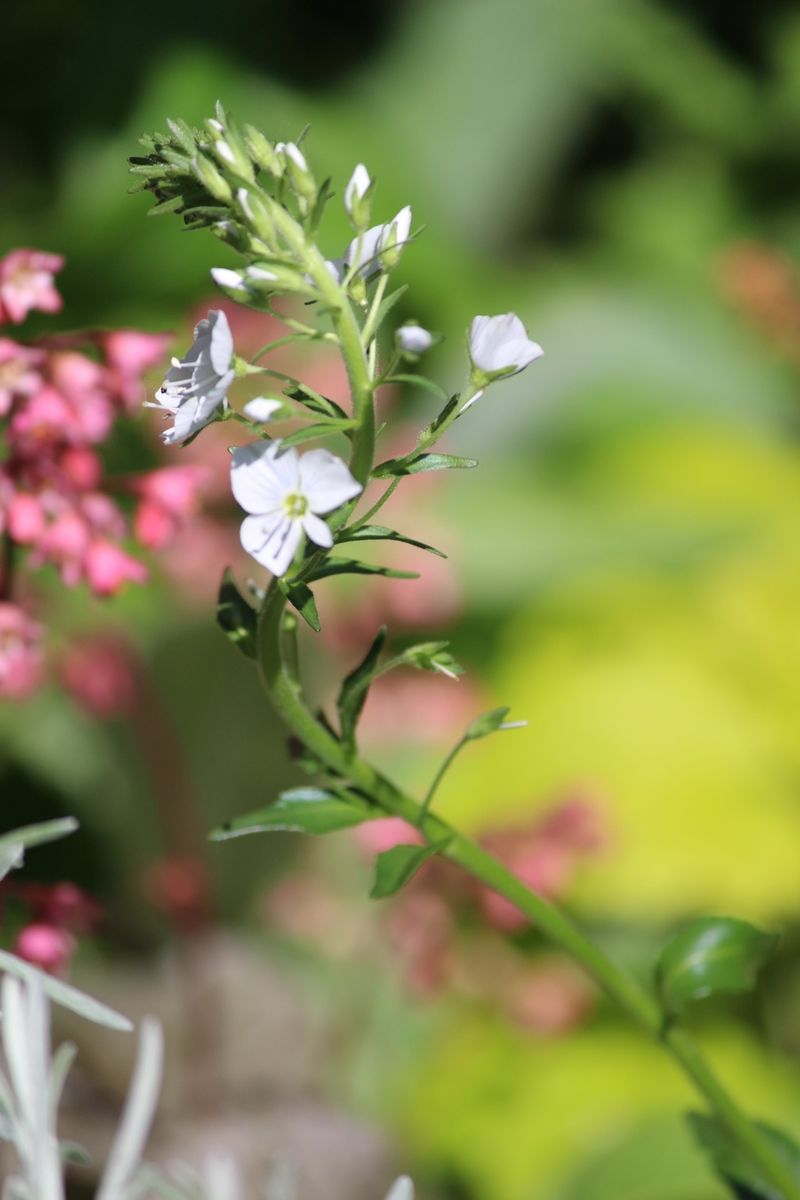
(236, 618)
(732, 1162)
(352, 566)
(299, 810)
(302, 598)
(319, 429)
(353, 692)
(431, 656)
(395, 867)
(381, 533)
(414, 464)
(710, 956)
(171, 205)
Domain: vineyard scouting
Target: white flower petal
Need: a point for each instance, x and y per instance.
(261, 408)
(501, 344)
(317, 530)
(357, 187)
(272, 540)
(224, 277)
(221, 351)
(325, 481)
(414, 339)
(261, 476)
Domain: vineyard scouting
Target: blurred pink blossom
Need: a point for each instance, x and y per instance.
(374, 837)
(45, 946)
(416, 706)
(167, 498)
(18, 373)
(26, 282)
(108, 568)
(21, 659)
(129, 354)
(99, 672)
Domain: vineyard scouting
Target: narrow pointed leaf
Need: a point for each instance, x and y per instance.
(354, 688)
(350, 566)
(710, 956)
(64, 994)
(300, 810)
(395, 867)
(235, 617)
(381, 533)
(315, 401)
(388, 304)
(302, 598)
(414, 465)
(37, 835)
(420, 381)
(745, 1177)
(319, 429)
(433, 429)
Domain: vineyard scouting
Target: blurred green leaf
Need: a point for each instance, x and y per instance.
(64, 994)
(319, 429)
(350, 566)
(381, 533)
(713, 954)
(422, 462)
(299, 810)
(354, 689)
(394, 868)
(13, 845)
(235, 617)
(734, 1164)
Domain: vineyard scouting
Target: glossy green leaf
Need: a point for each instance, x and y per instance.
(711, 955)
(64, 994)
(734, 1164)
(394, 868)
(300, 810)
(302, 598)
(350, 566)
(422, 462)
(381, 533)
(235, 617)
(354, 689)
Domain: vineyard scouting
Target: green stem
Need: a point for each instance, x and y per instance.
(377, 506)
(440, 774)
(625, 990)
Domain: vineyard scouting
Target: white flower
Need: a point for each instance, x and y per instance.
(284, 494)
(369, 252)
(196, 386)
(354, 195)
(413, 339)
(501, 346)
(261, 409)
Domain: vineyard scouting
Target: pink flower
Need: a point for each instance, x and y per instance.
(129, 354)
(81, 467)
(82, 383)
(25, 517)
(18, 373)
(65, 542)
(45, 946)
(99, 673)
(167, 498)
(43, 417)
(108, 568)
(21, 659)
(26, 282)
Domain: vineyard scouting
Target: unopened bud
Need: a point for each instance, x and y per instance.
(256, 213)
(297, 170)
(261, 150)
(358, 198)
(212, 180)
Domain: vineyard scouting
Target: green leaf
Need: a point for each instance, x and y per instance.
(413, 465)
(354, 689)
(388, 304)
(302, 598)
(351, 566)
(235, 617)
(734, 1164)
(420, 381)
(64, 994)
(491, 722)
(319, 429)
(300, 810)
(394, 868)
(711, 955)
(381, 533)
(37, 835)
(314, 400)
(432, 430)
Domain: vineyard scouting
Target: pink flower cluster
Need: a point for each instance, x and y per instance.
(56, 915)
(60, 398)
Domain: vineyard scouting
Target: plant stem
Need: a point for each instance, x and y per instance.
(634, 999)
(440, 774)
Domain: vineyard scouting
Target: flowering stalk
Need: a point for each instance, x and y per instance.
(262, 200)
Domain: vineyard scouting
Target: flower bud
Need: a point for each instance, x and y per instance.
(229, 149)
(261, 151)
(256, 212)
(413, 339)
(211, 179)
(394, 239)
(297, 169)
(357, 197)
